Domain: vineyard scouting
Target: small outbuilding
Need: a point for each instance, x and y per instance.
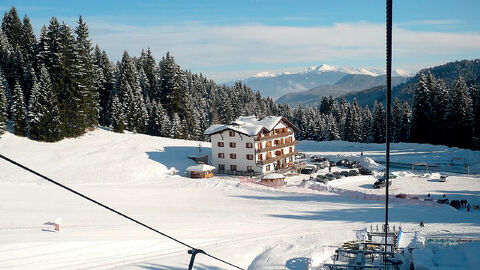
(200, 171)
(273, 179)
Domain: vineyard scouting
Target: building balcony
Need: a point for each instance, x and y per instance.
(275, 147)
(269, 137)
(273, 159)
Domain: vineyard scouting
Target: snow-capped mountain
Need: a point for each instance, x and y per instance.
(278, 84)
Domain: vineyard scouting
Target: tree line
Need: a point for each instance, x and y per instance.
(61, 85)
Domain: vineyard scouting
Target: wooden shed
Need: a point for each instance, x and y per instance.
(273, 179)
(200, 171)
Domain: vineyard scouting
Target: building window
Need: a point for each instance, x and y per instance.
(233, 167)
(290, 150)
(267, 168)
(221, 155)
(249, 145)
(233, 145)
(220, 144)
(249, 157)
(249, 169)
(231, 133)
(233, 156)
(260, 157)
(221, 167)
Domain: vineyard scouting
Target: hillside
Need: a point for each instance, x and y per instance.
(349, 83)
(132, 173)
(469, 69)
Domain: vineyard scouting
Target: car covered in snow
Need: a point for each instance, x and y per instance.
(353, 173)
(352, 164)
(443, 178)
(330, 176)
(342, 162)
(381, 183)
(307, 170)
(318, 159)
(364, 171)
(322, 164)
(338, 175)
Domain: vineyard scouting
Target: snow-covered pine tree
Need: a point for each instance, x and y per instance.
(166, 125)
(332, 133)
(367, 121)
(475, 90)
(105, 84)
(404, 134)
(19, 112)
(439, 103)
(459, 116)
(12, 27)
(43, 119)
(3, 105)
(29, 41)
(420, 131)
(176, 125)
(353, 123)
(397, 118)
(88, 76)
(172, 85)
(378, 124)
(117, 118)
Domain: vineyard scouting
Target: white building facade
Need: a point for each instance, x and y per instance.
(249, 145)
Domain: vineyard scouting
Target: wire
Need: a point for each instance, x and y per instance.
(111, 209)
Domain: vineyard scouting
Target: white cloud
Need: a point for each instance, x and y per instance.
(220, 51)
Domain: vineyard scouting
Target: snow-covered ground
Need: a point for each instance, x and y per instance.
(255, 228)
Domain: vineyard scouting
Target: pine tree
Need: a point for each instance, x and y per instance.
(459, 116)
(29, 41)
(367, 126)
(353, 123)
(476, 114)
(3, 105)
(87, 75)
(176, 125)
(439, 103)
(12, 27)
(404, 134)
(165, 126)
(378, 124)
(117, 118)
(43, 113)
(420, 131)
(19, 112)
(172, 85)
(397, 118)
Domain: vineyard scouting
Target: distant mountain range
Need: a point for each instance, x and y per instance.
(350, 83)
(277, 85)
(449, 72)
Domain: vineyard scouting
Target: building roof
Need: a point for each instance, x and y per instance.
(249, 125)
(200, 168)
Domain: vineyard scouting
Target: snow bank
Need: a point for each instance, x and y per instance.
(433, 256)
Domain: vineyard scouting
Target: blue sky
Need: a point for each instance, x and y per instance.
(234, 39)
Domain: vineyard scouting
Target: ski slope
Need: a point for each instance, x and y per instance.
(249, 227)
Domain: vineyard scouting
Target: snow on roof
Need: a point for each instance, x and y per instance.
(200, 168)
(249, 125)
(273, 176)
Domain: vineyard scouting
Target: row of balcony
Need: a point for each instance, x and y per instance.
(269, 137)
(273, 159)
(275, 147)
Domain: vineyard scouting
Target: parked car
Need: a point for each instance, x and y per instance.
(401, 196)
(443, 178)
(322, 164)
(352, 164)
(381, 183)
(345, 173)
(307, 170)
(332, 163)
(300, 156)
(342, 162)
(330, 176)
(364, 171)
(353, 173)
(338, 175)
(318, 159)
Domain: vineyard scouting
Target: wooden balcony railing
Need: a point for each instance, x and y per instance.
(273, 159)
(269, 137)
(275, 147)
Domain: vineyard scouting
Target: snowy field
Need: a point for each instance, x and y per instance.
(253, 228)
